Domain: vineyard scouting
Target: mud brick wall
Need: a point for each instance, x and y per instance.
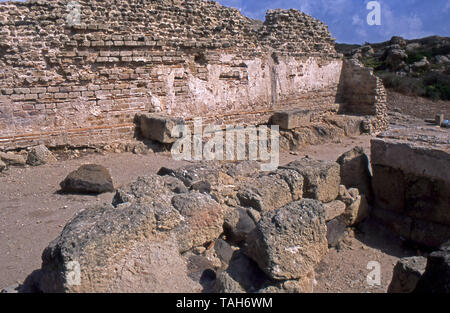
(81, 81)
(412, 186)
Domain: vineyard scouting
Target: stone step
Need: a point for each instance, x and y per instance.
(298, 117)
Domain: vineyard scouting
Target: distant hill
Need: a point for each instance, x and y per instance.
(419, 67)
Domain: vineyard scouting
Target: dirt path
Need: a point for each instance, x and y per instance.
(32, 214)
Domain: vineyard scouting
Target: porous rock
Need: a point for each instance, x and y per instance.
(40, 155)
(107, 249)
(265, 193)
(203, 219)
(288, 242)
(90, 179)
(321, 178)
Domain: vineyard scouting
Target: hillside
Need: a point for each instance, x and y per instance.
(419, 67)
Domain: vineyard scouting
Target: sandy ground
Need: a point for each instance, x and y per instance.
(345, 269)
(419, 107)
(32, 213)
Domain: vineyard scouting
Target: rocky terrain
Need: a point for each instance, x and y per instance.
(215, 255)
(419, 67)
(92, 200)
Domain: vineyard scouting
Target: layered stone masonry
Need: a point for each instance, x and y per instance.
(79, 82)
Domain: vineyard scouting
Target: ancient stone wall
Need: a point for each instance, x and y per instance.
(77, 72)
(363, 93)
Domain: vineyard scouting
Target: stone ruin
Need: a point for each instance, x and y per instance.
(76, 75)
(254, 231)
(211, 227)
(230, 227)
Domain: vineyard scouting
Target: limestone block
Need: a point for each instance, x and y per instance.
(292, 119)
(158, 127)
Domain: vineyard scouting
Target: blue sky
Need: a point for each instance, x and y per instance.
(347, 18)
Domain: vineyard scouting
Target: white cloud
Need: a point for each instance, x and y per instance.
(356, 20)
(407, 26)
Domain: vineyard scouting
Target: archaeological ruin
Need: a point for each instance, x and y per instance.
(117, 76)
(78, 83)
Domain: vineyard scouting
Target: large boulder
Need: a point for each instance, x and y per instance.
(355, 171)
(398, 41)
(88, 179)
(194, 218)
(407, 273)
(142, 243)
(396, 58)
(408, 167)
(288, 242)
(442, 59)
(410, 179)
(149, 189)
(40, 155)
(107, 249)
(321, 178)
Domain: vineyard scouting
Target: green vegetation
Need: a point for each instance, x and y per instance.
(430, 81)
(372, 62)
(432, 85)
(437, 86)
(417, 56)
(403, 84)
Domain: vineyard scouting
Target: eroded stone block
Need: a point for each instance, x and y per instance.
(158, 127)
(292, 119)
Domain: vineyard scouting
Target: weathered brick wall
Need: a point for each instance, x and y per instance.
(83, 83)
